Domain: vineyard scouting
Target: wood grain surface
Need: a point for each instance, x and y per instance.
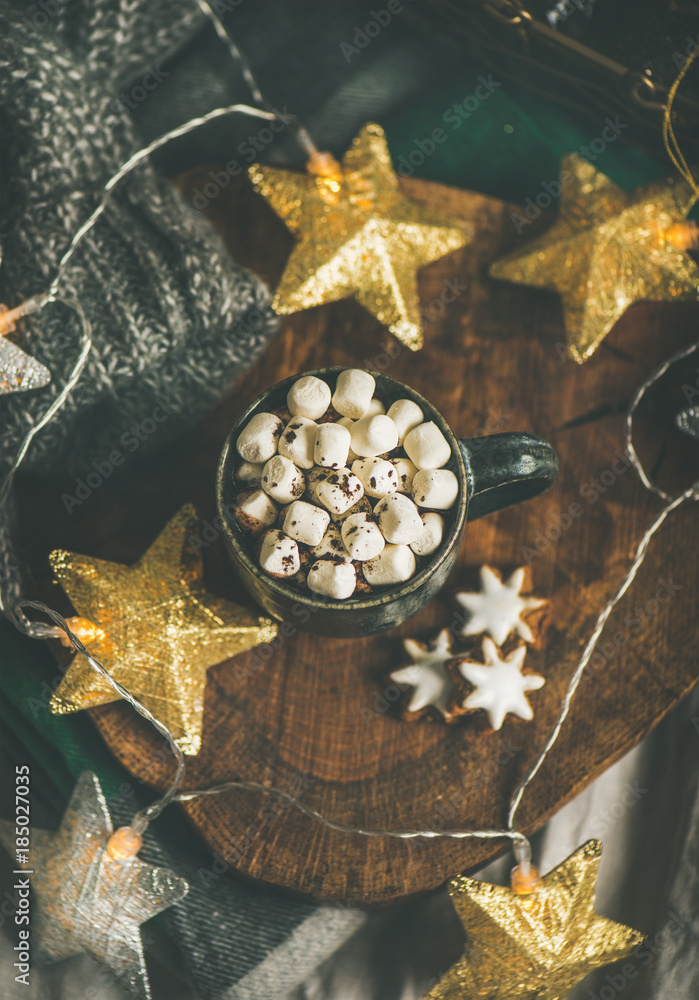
(317, 718)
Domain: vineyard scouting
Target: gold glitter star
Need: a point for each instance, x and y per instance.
(357, 235)
(534, 947)
(158, 630)
(606, 250)
(87, 902)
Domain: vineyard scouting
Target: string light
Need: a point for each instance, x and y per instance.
(525, 878)
(126, 841)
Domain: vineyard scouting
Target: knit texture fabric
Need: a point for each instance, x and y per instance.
(174, 320)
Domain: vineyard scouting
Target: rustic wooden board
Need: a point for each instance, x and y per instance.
(313, 719)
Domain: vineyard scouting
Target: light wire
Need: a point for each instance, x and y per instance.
(521, 844)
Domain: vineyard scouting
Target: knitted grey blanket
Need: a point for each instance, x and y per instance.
(174, 319)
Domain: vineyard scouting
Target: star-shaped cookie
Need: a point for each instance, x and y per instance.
(432, 686)
(499, 684)
(499, 607)
(366, 240)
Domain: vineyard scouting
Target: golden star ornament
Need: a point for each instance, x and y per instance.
(533, 947)
(86, 900)
(357, 234)
(157, 629)
(606, 250)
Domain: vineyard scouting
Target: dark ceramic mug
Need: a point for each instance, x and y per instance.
(493, 472)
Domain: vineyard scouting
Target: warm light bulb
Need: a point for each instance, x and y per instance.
(124, 843)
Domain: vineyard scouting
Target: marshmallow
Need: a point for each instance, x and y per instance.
(435, 488)
(279, 555)
(258, 441)
(406, 415)
(254, 511)
(405, 471)
(360, 507)
(331, 544)
(394, 565)
(362, 537)
(339, 491)
(430, 537)
(308, 397)
(399, 519)
(332, 446)
(375, 408)
(298, 440)
(372, 436)
(346, 422)
(353, 392)
(378, 476)
(306, 523)
(282, 480)
(313, 477)
(249, 472)
(333, 579)
(427, 447)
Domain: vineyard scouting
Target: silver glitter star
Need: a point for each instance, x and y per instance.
(85, 900)
(19, 372)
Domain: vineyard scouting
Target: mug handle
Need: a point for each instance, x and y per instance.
(505, 469)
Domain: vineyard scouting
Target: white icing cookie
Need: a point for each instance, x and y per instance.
(498, 609)
(427, 674)
(500, 684)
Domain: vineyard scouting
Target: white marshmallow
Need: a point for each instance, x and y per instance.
(362, 537)
(429, 539)
(379, 477)
(308, 397)
(399, 519)
(372, 436)
(346, 422)
(353, 392)
(339, 491)
(255, 511)
(375, 408)
(405, 415)
(427, 447)
(333, 579)
(405, 471)
(298, 441)
(435, 488)
(306, 523)
(282, 480)
(313, 477)
(249, 472)
(279, 555)
(258, 441)
(331, 544)
(332, 446)
(394, 565)
(360, 507)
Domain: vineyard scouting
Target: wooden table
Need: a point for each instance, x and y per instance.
(316, 719)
